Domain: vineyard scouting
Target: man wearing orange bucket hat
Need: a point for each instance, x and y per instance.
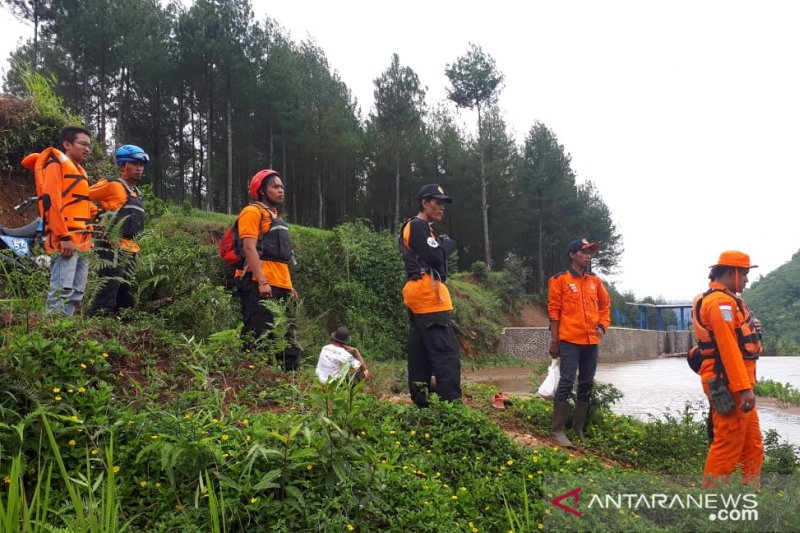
(729, 341)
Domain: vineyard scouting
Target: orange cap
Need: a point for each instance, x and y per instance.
(734, 258)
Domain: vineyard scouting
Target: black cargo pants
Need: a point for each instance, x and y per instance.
(433, 351)
(258, 319)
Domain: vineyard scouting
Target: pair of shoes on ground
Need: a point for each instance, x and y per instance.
(501, 400)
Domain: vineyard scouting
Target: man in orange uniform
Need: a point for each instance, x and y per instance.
(432, 347)
(729, 336)
(580, 313)
(66, 213)
(265, 240)
(122, 196)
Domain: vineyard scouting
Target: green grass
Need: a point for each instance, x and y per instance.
(784, 393)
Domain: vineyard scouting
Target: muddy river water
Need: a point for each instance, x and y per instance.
(657, 386)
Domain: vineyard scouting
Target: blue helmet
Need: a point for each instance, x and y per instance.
(129, 153)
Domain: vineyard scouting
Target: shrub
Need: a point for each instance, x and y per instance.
(480, 270)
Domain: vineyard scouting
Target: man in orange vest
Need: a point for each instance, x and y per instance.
(729, 336)
(268, 251)
(66, 211)
(120, 195)
(580, 313)
(432, 347)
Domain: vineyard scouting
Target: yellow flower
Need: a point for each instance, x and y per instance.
(73, 418)
(81, 390)
(540, 526)
(214, 420)
(225, 455)
(530, 476)
(427, 435)
(309, 467)
(71, 442)
(56, 390)
(463, 489)
(510, 462)
(57, 398)
(116, 469)
(83, 365)
(350, 527)
(412, 432)
(247, 438)
(158, 485)
(251, 366)
(245, 422)
(70, 391)
(143, 483)
(392, 432)
(471, 524)
(6, 480)
(105, 355)
(187, 416)
(474, 530)
(154, 437)
(425, 503)
(453, 497)
(253, 500)
(225, 436)
(95, 451)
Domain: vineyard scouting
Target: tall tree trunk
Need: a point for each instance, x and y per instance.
(101, 134)
(271, 145)
(160, 187)
(181, 161)
(321, 195)
(230, 153)
(35, 59)
(484, 206)
(119, 128)
(396, 224)
(210, 138)
(540, 288)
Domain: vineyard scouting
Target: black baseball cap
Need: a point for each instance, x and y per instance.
(433, 190)
(582, 244)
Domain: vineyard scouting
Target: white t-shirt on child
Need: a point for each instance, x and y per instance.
(334, 362)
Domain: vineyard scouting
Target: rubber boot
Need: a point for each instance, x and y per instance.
(560, 414)
(579, 418)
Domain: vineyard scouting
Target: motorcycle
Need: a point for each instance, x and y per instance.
(22, 241)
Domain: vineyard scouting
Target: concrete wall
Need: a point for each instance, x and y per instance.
(619, 344)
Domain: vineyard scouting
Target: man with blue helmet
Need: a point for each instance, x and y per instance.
(122, 196)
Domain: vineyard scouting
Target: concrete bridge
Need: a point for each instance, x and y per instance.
(619, 344)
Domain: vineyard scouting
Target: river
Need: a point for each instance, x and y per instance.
(658, 386)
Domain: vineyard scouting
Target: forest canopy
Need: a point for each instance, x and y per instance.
(214, 95)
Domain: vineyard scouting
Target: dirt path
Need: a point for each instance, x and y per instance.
(532, 315)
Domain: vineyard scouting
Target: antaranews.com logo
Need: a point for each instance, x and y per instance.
(641, 502)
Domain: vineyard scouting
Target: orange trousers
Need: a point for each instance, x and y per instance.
(737, 444)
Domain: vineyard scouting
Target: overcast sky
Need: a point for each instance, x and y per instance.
(686, 115)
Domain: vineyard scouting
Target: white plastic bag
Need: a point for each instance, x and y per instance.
(547, 389)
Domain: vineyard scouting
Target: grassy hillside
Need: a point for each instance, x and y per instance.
(162, 422)
(775, 300)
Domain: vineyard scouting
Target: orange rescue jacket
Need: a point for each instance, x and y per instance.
(64, 206)
(723, 323)
(580, 303)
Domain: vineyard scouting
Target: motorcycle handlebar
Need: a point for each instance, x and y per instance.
(26, 203)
